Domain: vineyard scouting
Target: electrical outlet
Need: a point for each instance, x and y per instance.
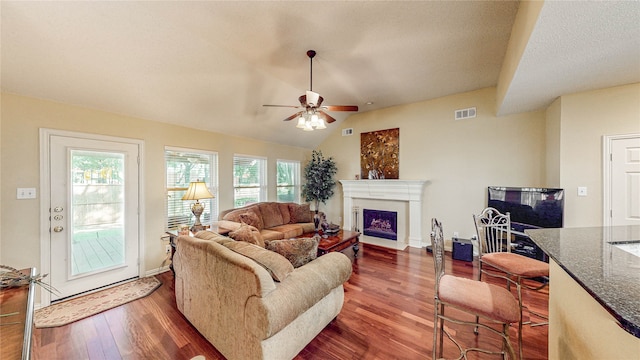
(167, 249)
(455, 234)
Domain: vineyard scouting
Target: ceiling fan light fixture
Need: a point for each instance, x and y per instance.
(301, 122)
(314, 120)
(311, 105)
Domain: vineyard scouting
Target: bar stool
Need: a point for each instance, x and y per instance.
(490, 302)
(496, 259)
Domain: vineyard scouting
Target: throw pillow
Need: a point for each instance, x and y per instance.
(234, 215)
(251, 218)
(284, 211)
(270, 214)
(277, 266)
(248, 234)
(297, 251)
(300, 213)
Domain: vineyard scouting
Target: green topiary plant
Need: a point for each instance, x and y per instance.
(319, 174)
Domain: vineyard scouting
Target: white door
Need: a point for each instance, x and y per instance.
(93, 213)
(625, 181)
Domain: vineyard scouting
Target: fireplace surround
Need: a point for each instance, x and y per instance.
(391, 195)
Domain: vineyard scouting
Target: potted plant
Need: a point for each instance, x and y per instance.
(319, 184)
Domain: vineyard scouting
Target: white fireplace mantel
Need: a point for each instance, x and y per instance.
(410, 191)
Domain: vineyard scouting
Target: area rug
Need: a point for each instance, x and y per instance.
(79, 308)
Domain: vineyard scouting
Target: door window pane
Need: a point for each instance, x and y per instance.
(97, 211)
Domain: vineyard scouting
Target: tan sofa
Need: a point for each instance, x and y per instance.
(234, 302)
(274, 220)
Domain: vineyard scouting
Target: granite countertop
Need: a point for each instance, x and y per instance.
(594, 258)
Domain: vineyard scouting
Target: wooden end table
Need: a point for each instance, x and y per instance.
(338, 242)
(173, 235)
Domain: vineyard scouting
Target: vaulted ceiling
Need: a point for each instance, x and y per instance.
(212, 65)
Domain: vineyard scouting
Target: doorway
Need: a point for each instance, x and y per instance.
(621, 180)
(90, 201)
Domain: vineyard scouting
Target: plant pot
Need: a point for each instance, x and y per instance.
(316, 221)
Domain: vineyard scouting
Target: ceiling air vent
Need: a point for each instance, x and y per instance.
(347, 132)
(465, 113)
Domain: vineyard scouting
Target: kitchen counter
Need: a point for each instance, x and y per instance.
(593, 257)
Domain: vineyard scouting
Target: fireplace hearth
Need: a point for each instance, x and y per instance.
(380, 223)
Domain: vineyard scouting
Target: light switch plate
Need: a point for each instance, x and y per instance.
(582, 191)
(26, 193)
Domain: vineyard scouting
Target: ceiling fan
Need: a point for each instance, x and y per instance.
(312, 115)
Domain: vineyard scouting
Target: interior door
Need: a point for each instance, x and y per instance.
(93, 213)
(625, 181)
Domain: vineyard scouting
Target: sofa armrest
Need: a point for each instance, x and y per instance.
(303, 288)
(228, 224)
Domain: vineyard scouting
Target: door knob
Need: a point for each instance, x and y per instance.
(58, 228)
(57, 209)
(57, 217)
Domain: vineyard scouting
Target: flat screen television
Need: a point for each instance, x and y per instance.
(530, 208)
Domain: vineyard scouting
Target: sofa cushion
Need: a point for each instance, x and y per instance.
(251, 218)
(300, 213)
(277, 265)
(247, 233)
(270, 214)
(268, 234)
(288, 230)
(284, 211)
(297, 251)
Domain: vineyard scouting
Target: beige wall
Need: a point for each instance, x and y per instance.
(572, 335)
(585, 118)
(459, 158)
(21, 119)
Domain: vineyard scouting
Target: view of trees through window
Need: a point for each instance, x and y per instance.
(288, 177)
(249, 180)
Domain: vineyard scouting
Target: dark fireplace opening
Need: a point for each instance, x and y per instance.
(380, 223)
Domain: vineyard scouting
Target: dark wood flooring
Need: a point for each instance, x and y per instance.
(387, 314)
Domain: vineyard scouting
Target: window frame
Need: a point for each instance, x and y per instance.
(297, 184)
(262, 179)
(211, 206)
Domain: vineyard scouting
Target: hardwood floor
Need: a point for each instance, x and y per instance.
(387, 314)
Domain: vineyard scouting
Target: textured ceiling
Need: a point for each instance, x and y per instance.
(212, 65)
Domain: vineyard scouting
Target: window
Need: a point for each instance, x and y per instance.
(288, 186)
(183, 166)
(249, 180)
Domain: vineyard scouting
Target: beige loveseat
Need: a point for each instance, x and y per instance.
(274, 220)
(235, 303)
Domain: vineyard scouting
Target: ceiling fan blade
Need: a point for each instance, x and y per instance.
(328, 118)
(340, 107)
(292, 116)
(289, 106)
(303, 101)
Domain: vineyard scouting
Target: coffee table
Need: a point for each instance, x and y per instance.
(337, 242)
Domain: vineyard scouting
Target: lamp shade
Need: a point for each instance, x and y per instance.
(197, 190)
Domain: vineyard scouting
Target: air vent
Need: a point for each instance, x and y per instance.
(347, 132)
(465, 113)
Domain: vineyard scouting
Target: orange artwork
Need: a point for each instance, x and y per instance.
(379, 154)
